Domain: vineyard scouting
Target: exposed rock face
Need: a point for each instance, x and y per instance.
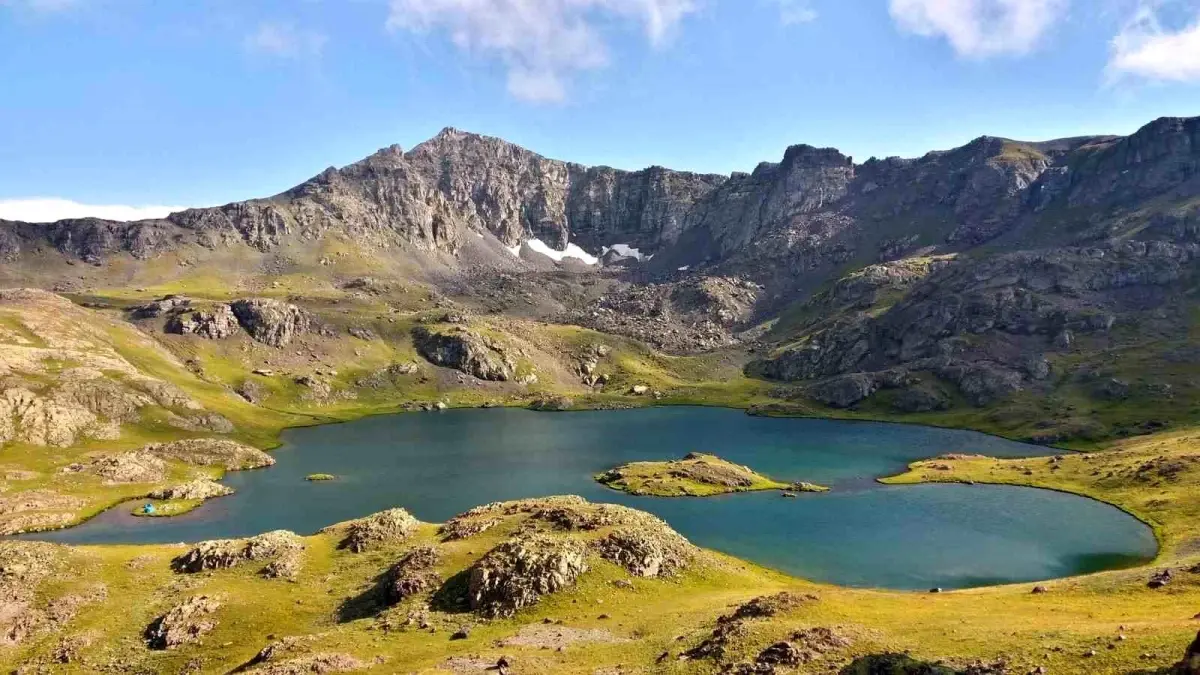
(464, 350)
(982, 324)
(226, 553)
(170, 304)
(230, 455)
(81, 403)
(32, 510)
(199, 489)
(808, 213)
(845, 390)
(272, 322)
(413, 575)
(126, 467)
(385, 527)
(186, 623)
(647, 551)
(493, 185)
(217, 324)
(518, 572)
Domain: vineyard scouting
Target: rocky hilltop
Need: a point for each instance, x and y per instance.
(814, 209)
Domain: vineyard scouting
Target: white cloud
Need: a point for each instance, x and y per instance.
(980, 28)
(1145, 48)
(796, 11)
(285, 41)
(50, 209)
(541, 43)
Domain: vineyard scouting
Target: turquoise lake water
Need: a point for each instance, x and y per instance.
(861, 534)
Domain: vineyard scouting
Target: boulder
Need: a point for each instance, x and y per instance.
(271, 322)
(252, 391)
(186, 623)
(845, 390)
(217, 324)
(379, 529)
(466, 351)
(412, 575)
(517, 573)
(647, 551)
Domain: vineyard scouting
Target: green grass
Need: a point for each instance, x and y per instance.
(697, 475)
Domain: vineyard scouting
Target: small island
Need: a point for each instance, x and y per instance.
(696, 475)
(319, 477)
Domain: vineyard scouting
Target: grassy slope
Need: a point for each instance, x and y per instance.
(1056, 629)
(1052, 630)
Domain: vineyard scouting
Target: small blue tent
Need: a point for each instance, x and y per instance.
(148, 508)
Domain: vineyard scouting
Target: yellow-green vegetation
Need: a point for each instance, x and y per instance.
(320, 477)
(1102, 623)
(696, 475)
(90, 613)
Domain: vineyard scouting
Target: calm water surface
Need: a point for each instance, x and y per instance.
(861, 534)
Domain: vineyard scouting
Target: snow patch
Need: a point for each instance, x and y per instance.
(572, 251)
(624, 250)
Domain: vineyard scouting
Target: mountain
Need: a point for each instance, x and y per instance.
(964, 277)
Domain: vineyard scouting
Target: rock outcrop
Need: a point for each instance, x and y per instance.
(379, 529)
(517, 573)
(125, 467)
(271, 322)
(467, 351)
(199, 489)
(229, 455)
(217, 324)
(221, 554)
(185, 623)
(413, 575)
(647, 551)
(983, 324)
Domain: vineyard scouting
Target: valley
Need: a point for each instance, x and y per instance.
(1043, 293)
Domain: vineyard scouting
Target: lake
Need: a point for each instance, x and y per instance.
(860, 534)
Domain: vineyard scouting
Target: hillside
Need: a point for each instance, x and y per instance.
(1044, 291)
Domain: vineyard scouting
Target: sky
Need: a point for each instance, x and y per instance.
(132, 108)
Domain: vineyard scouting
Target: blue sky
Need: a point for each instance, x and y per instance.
(141, 103)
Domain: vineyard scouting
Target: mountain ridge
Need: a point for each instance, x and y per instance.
(455, 136)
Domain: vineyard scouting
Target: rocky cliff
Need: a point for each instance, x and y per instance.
(812, 211)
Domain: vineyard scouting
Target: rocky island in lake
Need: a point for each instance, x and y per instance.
(696, 475)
